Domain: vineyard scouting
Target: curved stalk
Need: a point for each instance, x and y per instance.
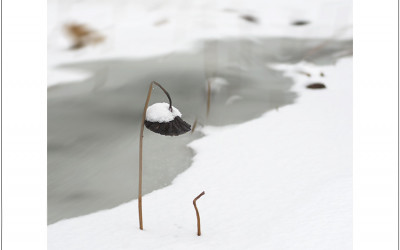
(197, 213)
(141, 147)
(169, 98)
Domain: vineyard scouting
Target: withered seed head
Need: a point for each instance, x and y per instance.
(173, 128)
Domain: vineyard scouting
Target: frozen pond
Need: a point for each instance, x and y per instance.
(93, 126)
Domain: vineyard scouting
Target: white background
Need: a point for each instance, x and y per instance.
(375, 124)
(375, 119)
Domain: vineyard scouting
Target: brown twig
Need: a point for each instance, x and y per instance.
(197, 213)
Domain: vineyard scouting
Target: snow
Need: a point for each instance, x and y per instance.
(216, 83)
(159, 112)
(60, 76)
(142, 29)
(281, 181)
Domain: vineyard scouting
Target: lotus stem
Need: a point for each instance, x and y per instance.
(208, 97)
(166, 93)
(197, 213)
(194, 125)
(141, 147)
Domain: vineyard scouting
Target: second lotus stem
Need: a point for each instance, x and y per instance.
(197, 213)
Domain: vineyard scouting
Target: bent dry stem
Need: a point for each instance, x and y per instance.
(141, 147)
(197, 213)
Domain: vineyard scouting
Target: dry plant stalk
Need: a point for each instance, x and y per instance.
(141, 147)
(141, 157)
(208, 97)
(194, 125)
(304, 73)
(197, 213)
(174, 127)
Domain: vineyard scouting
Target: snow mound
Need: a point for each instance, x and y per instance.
(159, 112)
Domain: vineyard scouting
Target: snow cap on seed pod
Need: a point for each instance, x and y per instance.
(165, 120)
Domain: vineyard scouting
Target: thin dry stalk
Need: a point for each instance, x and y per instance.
(304, 73)
(194, 125)
(208, 97)
(197, 213)
(141, 147)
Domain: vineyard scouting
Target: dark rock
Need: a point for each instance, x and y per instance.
(250, 18)
(316, 85)
(300, 23)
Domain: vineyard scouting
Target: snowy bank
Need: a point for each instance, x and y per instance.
(282, 181)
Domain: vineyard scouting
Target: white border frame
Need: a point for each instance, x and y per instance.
(25, 137)
(24, 124)
(375, 120)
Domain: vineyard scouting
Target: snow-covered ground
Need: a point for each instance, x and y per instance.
(281, 181)
(140, 29)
